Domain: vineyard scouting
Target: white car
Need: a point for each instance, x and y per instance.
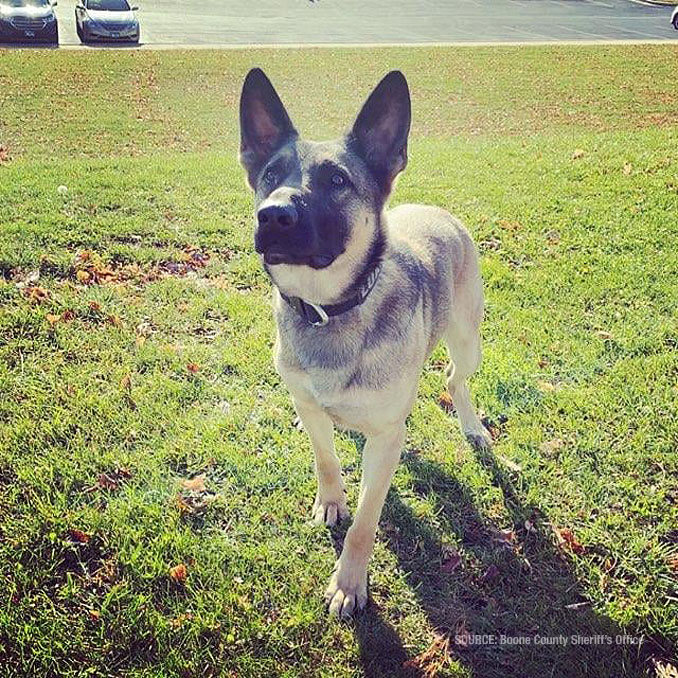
(106, 20)
(674, 18)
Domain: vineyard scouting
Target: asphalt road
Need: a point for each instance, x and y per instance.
(218, 22)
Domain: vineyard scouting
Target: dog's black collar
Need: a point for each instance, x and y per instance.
(319, 314)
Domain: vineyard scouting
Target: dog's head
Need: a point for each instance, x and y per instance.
(318, 205)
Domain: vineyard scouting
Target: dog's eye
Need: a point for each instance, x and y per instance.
(338, 180)
(270, 176)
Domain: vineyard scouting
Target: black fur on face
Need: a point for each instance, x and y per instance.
(310, 196)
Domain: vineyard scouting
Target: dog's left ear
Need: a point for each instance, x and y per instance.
(381, 129)
(265, 125)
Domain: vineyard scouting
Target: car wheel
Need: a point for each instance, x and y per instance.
(675, 22)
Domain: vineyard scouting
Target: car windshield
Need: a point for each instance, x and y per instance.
(26, 3)
(108, 5)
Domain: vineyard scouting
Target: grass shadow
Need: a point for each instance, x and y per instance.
(510, 606)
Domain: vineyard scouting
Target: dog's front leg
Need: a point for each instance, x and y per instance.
(348, 586)
(330, 500)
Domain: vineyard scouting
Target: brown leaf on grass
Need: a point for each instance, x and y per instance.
(196, 484)
(179, 573)
(114, 320)
(445, 401)
(68, 315)
(491, 573)
(550, 447)
(94, 615)
(78, 536)
(110, 480)
(52, 319)
(663, 669)
(546, 386)
(193, 368)
(628, 169)
(578, 153)
(432, 660)
(451, 561)
(566, 539)
(82, 276)
(94, 306)
(606, 336)
(35, 294)
(4, 155)
(504, 537)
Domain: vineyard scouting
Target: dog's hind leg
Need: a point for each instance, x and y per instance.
(330, 501)
(463, 341)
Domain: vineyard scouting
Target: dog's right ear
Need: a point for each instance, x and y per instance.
(264, 123)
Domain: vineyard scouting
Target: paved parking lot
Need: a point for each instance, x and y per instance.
(205, 22)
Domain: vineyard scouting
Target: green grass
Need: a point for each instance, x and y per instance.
(564, 164)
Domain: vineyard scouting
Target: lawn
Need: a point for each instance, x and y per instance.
(154, 490)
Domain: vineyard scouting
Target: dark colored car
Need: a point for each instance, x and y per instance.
(674, 18)
(106, 20)
(28, 21)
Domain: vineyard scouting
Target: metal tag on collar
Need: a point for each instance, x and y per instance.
(323, 318)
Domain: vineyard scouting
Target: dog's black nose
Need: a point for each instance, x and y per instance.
(284, 215)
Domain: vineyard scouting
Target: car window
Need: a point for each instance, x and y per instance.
(26, 3)
(108, 5)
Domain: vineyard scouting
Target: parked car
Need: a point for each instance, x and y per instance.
(28, 21)
(106, 20)
(674, 18)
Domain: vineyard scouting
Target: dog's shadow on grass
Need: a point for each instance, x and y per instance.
(508, 604)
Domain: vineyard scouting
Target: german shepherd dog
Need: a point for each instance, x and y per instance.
(362, 295)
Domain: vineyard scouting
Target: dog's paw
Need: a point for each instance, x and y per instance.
(479, 438)
(347, 591)
(330, 511)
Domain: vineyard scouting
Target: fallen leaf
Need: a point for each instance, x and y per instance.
(114, 320)
(430, 662)
(603, 335)
(196, 484)
(68, 315)
(193, 368)
(35, 294)
(451, 562)
(509, 463)
(445, 401)
(179, 573)
(567, 539)
(628, 168)
(551, 446)
(491, 573)
(82, 276)
(4, 154)
(546, 386)
(94, 615)
(53, 319)
(504, 537)
(78, 536)
(579, 153)
(110, 480)
(94, 306)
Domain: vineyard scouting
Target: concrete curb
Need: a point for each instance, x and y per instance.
(348, 45)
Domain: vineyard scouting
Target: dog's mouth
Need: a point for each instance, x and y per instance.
(274, 257)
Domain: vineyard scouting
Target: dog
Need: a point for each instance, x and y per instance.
(362, 295)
